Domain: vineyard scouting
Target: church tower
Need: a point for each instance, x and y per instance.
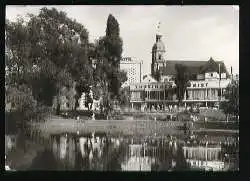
(158, 53)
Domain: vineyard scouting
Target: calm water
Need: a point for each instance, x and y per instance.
(105, 153)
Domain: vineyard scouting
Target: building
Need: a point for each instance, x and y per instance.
(208, 81)
(133, 69)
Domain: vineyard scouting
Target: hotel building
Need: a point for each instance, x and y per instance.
(206, 85)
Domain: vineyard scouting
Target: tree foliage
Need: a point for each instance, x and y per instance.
(106, 51)
(231, 106)
(51, 56)
(113, 47)
(181, 81)
(47, 53)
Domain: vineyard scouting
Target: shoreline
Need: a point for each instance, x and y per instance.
(122, 127)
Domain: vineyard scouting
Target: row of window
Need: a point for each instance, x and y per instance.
(200, 85)
(153, 86)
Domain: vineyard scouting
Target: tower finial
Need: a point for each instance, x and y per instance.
(158, 27)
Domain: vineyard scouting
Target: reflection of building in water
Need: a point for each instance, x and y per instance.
(63, 147)
(137, 160)
(83, 141)
(204, 157)
(55, 147)
(71, 152)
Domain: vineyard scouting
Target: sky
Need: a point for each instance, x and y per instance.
(189, 32)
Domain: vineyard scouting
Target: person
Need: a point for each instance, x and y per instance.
(205, 119)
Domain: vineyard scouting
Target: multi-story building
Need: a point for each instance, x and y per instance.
(133, 68)
(208, 81)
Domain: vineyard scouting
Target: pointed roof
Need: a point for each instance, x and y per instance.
(212, 66)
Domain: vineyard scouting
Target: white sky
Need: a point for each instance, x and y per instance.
(189, 32)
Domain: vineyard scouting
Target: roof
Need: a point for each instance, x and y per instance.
(195, 67)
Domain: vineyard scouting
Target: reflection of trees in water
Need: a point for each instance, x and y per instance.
(166, 154)
(112, 156)
(44, 161)
(181, 163)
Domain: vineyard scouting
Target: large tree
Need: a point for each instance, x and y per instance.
(181, 81)
(113, 47)
(66, 48)
(107, 51)
(49, 52)
(231, 106)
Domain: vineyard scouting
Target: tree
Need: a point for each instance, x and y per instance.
(66, 48)
(181, 81)
(231, 106)
(107, 52)
(23, 109)
(48, 52)
(124, 97)
(113, 46)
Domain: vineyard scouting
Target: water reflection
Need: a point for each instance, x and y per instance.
(103, 153)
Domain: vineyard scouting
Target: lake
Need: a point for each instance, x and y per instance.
(102, 152)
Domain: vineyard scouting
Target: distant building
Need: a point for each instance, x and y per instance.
(133, 68)
(208, 81)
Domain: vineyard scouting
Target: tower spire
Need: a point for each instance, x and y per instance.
(158, 32)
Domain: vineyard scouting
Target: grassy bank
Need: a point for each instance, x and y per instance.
(216, 125)
(112, 127)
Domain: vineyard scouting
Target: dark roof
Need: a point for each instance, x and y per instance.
(194, 67)
(212, 66)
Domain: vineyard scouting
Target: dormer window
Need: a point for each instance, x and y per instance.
(211, 74)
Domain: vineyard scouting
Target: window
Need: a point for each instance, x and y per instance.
(194, 85)
(145, 86)
(219, 92)
(148, 86)
(211, 74)
(202, 85)
(159, 57)
(198, 85)
(206, 84)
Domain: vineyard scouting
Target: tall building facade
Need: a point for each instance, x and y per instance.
(158, 56)
(133, 68)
